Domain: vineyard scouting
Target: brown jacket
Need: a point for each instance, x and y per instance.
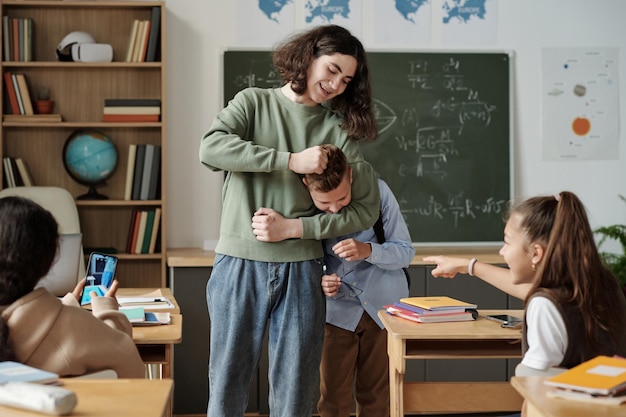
(60, 336)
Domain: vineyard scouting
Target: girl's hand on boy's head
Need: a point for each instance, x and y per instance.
(309, 161)
(330, 284)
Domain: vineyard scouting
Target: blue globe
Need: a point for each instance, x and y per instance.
(89, 158)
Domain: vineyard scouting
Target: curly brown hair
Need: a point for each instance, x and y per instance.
(293, 58)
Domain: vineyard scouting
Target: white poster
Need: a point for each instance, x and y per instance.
(580, 116)
(264, 23)
(402, 22)
(346, 13)
(469, 22)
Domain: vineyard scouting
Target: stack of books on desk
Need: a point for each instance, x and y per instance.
(600, 380)
(433, 309)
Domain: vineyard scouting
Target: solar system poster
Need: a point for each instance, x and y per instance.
(580, 116)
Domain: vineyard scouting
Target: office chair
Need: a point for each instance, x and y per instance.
(61, 204)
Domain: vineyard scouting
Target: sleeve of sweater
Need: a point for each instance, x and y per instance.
(105, 309)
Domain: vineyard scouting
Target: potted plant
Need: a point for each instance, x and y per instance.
(615, 261)
(43, 103)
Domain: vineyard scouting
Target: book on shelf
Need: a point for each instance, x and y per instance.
(132, 231)
(602, 375)
(27, 179)
(131, 41)
(155, 230)
(6, 38)
(140, 231)
(32, 118)
(19, 182)
(442, 317)
(153, 38)
(138, 171)
(11, 93)
(147, 235)
(155, 174)
(7, 170)
(143, 46)
(133, 102)
(131, 117)
(24, 93)
(16, 87)
(437, 303)
(17, 33)
(11, 371)
(145, 175)
(130, 170)
(132, 110)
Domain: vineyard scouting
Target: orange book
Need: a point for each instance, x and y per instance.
(135, 229)
(8, 82)
(436, 302)
(602, 375)
(155, 230)
(25, 94)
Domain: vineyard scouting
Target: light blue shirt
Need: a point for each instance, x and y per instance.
(380, 276)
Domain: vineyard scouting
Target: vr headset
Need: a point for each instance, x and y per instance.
(82, 47)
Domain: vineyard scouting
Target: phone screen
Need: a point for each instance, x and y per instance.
(100, 274)
(504, 318)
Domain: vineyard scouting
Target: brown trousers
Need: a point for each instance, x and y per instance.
(355, 367)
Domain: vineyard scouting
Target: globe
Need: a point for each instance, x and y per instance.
(89, 158)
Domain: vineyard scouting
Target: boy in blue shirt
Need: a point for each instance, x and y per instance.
(361, 276)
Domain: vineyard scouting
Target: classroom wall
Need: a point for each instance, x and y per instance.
(199, 30)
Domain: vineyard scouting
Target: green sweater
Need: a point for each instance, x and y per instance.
(252, 139)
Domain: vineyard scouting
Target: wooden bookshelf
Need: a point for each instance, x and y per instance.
(79, 90)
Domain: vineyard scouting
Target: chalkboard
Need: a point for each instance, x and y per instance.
(444, 145)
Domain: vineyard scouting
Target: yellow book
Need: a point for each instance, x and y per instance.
(437, 302)
(602, 375)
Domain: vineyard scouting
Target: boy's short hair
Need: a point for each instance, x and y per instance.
(336, 170)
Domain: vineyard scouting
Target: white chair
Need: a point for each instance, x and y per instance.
(61, 204)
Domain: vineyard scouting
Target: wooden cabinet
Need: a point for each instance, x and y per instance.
(79, 90)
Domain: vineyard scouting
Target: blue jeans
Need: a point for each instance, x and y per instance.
(242, 296)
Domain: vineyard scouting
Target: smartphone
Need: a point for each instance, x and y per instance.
(505, 319)
(100, 274)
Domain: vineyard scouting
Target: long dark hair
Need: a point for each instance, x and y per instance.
(293, 58)
(572, 270)
(28, 245)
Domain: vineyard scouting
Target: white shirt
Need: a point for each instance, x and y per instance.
(546, 335)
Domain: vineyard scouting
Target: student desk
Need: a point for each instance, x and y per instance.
(538, 404)
(155, 342)
(481, 338)
(112, 397)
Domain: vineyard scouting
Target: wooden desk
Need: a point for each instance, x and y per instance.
(194, 257)
(113, 397)
(538, 404)
(481, 338)
(155, 343)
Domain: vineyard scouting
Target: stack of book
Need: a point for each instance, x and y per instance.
(600, 380)
(434, 309)
(131, 110)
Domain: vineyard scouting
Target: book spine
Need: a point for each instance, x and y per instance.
(139, 161)
(6, 38)
(130, 170)
(131, 41)
(147, 235)
(131, 117)
(132, 102)
(155, 174)
(16, 87)
(153, 40)
(13, 104)
(132, 231)
(25, 94)
(140, 232)
(132, 110)
(155, 229)
(145, 176)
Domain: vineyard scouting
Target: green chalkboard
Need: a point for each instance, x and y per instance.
(444, 147)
